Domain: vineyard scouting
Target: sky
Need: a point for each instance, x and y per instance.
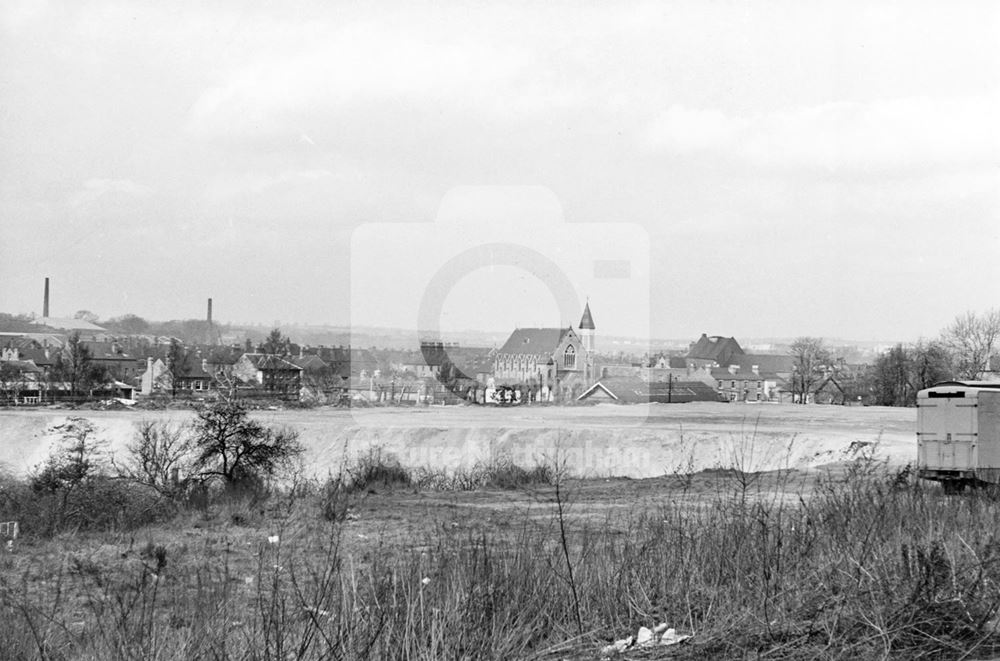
(755, 169)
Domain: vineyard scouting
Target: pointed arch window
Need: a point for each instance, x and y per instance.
(569, 357)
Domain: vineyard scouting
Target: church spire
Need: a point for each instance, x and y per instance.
(587, 321)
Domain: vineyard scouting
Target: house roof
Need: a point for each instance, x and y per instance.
(37, 356)
(631, 390)
(587, 321)
(472, 360)
(222, 355)
(24, 340)
(717, 348)
(722, 374)
(106, 351)
(23, 366)
(65, 323)
(767, 363)
(534, 341)
(433, 354)
(193, 368)
(309, 363)
(271, 362)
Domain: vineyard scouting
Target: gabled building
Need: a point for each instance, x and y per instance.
(557, 361)
(155, 378)
(193, 375)
(539, 356)
(311, 365)
(270, 372)
(433, 356)
(633, 390)
(113, 359)
(714, 351)
(472, 363)
(774, 369)
(737, 385)
(21, 381)
(44, 357)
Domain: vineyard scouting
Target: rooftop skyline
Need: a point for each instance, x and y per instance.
(767, 169)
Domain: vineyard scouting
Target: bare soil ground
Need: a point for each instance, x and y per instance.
(592, 441)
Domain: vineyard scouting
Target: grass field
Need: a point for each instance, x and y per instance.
(843, 557)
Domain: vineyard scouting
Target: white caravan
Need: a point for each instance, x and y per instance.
(958, 433)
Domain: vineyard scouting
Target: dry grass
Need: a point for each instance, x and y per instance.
(861, 565)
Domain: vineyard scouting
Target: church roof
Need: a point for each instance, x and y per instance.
(534, 341)
(587, 321)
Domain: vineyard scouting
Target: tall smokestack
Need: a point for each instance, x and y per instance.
(45, 302)
(210, 331)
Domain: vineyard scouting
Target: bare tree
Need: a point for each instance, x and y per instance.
(972, 341)
(158, 456)
(75, 366)
(900, 373)
(74, 462)
(811, 361)
(129, 324)
(892, 381)
(231, 446)
(931, 364)
(177, 364)
(12, 381)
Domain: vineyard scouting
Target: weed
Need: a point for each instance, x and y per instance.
(376, 469)
(865, 568)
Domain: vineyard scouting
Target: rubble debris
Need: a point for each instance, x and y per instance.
(617, 647)
(661, 635)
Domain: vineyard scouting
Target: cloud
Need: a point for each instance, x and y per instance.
(229, 186)
(358, 62)
(95, 189)
(897, 134)
(682, 130)
(15, 15)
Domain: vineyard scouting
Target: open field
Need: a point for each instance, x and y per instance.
(865, 568)
(592, 441)
(778, 533)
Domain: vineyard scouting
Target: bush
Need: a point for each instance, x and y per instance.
(160, 457)
(860, 569)
(375, 469)
(497, 473)
(102, 504)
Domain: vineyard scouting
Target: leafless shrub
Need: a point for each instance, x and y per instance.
(160, 456)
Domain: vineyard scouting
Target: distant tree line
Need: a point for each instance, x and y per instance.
(967, 349)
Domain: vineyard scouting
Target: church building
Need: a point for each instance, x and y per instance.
(557, 359)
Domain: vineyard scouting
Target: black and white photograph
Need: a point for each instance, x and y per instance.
(499, 330)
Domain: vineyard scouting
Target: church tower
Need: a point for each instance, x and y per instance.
(587, 329)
